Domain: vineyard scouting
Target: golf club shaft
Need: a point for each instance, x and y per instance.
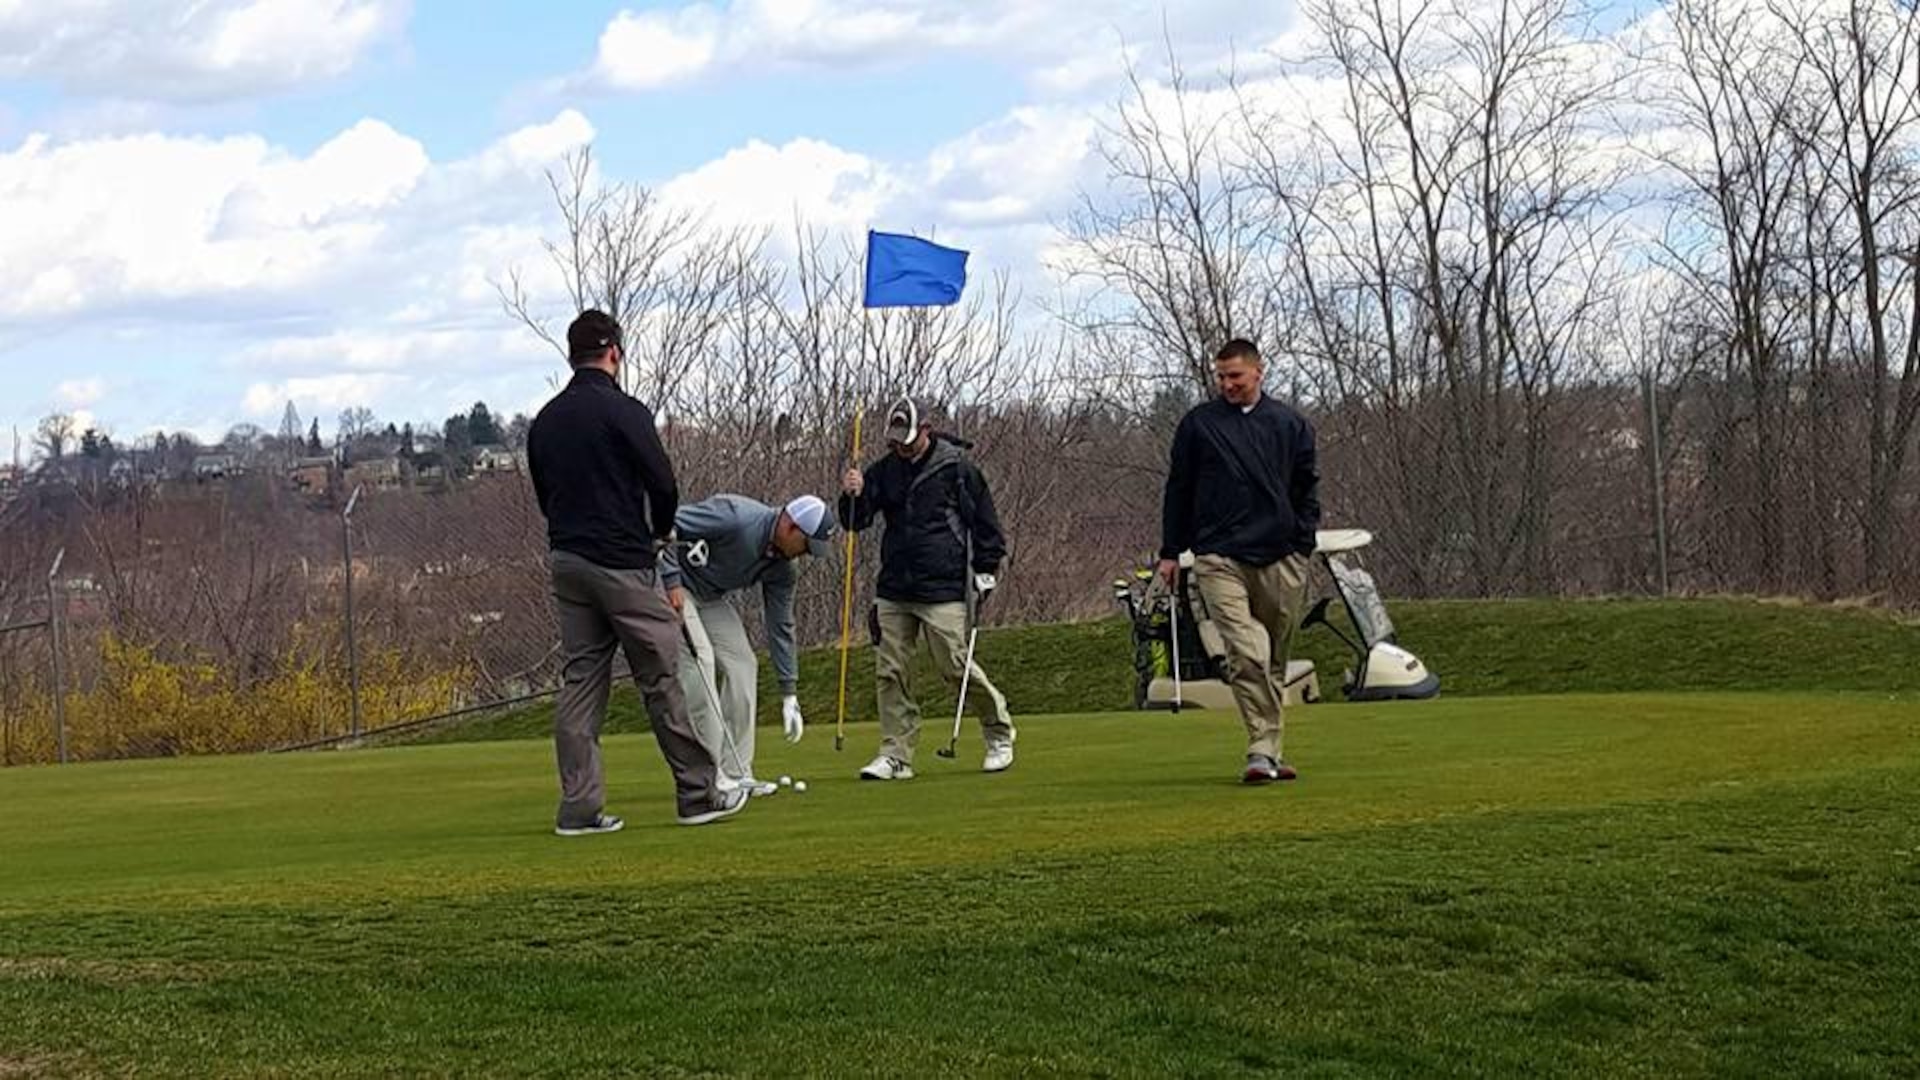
(966, 676)
(1173, 626)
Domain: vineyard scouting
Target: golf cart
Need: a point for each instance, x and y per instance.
(1179, 656)
(1382, 670)
(1169, 638)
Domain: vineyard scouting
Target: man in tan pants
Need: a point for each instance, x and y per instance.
(1243, 495)
(938, 559)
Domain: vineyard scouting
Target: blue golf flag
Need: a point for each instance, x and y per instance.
(906, 271)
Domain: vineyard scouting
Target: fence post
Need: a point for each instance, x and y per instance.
(1658, 475)
(54, 636)
(353, 652)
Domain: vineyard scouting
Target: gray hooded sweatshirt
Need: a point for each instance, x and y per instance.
(739, 536)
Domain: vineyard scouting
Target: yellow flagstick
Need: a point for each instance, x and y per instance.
(846, 603)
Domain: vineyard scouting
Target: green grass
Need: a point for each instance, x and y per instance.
(1650, 884)
(1478, 648)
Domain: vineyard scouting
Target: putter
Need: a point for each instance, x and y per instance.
(966, 673)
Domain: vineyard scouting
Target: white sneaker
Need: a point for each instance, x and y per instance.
(725, 804)
(999, 753)
(758, 788)
(886, 768)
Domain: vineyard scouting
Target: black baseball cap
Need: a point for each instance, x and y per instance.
(591, 334)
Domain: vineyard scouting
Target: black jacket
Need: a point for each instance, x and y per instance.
(603, 479)
(932, 507)
(1241, 484)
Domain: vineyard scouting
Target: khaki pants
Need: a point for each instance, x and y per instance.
(603, 611)
(1255, 608)
(721, 687)
(945, 628)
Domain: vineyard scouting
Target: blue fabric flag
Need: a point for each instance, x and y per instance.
(906, 271)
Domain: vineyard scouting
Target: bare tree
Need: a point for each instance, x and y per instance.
(1447, 240)
(55, 434)
(1854, 124)
(1166, 259)
(656, 269)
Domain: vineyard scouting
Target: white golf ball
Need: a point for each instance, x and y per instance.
(786, 781)
(799, 785)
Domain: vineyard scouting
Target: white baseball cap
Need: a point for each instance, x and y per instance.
(810, 513)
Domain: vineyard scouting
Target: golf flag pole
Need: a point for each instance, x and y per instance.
(901, 271)
(846, 603)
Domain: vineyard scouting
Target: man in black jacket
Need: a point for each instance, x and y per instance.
(1243, 495)
(609, 495)
(942, 538)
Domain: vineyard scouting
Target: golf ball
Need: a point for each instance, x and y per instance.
(786, 781)
(799, 785)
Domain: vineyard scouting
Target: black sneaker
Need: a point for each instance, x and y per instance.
(725, 804)
(601, 823)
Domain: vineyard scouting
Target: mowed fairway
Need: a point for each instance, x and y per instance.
(1648, 885)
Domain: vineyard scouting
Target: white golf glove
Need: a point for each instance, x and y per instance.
(983, 584)
(790, 719)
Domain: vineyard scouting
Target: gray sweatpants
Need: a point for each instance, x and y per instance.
(722, 687)
(602, 611)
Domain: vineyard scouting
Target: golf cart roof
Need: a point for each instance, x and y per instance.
(1334, 541)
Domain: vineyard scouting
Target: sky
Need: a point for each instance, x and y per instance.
(210, 209)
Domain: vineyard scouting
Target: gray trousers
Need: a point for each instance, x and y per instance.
(602, 611)
(722, 687)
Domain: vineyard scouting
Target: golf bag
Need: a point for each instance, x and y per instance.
(1149, 608)
(1202, 651)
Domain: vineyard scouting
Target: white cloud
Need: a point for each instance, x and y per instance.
(817, 182)
(655, 48)
(1067, 47)
(312, 395)
(81, 393)
(209, 50)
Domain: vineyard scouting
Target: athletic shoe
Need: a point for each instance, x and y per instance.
(601, 823)
(1262, 769)
(886, 768)
(725, 804)
(759, 789)
(999, 752)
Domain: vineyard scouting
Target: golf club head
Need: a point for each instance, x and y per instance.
(839, 742)
(946, 751)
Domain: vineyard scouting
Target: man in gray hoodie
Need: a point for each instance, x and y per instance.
(747, 543)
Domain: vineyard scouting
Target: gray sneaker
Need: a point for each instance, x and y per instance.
(725, 804)
(601, 823)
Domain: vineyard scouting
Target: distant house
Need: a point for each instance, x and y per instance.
(429, 468)
(495, 459)
(311, 475)
(215, 467)
(375, 474)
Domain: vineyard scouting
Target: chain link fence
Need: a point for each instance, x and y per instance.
(243, 613)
